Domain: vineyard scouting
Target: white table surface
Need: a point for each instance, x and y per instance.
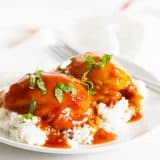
(147, 148)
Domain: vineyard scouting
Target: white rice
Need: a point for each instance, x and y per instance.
(80, 135)
(20, 129)
(26, 130)
(114, 118)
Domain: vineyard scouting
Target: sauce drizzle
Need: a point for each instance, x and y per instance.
(101, 136)
(136, 117)
(56, 141)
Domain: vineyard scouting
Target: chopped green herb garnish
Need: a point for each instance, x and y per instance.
(38, 72)
(32, 107)
(28, 116)
(59, 94)
(89, 86)
(41, 85)
(60, 86)
(104, 60)
(64, 88)
(36, 79)
(90, 60)
(73, 91)
(91, 92)
(67, 88)
(32, 81)
(91, 64)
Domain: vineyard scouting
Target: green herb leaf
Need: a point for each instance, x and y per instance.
(91, 92)
(32, 81)
(88, 84)
(36, 79)
(59, 94)
(73, 91)
(90, 87)
(32, 107)
(38, 72)
(41, 86)
(91, 63)
(60, 85)
(28, 116)
(85, 84)
(90, 60)
(104, 60)
(67, 88)
(64, 88)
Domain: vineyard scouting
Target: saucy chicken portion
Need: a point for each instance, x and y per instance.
(52, 112)
(110, 82)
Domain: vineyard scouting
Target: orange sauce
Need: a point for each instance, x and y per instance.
(101, 136)
(136, 117)
(56, 141)
(134, 99)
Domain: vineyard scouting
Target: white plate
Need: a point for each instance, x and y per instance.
(133, 131)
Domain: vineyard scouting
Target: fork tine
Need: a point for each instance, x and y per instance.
(63, 51)
(61, 46)
(57, 54)
(69, 51)
(73, 51)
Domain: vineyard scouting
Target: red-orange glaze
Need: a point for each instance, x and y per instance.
(136, 117)
(56, 141)
(101, 136)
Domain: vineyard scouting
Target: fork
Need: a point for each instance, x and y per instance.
(64, 52)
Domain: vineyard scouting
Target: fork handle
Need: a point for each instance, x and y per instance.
(153, 85)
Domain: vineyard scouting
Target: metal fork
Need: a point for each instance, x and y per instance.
(63, 52)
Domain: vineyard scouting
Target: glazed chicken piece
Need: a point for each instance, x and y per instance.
(110, 82)
(49, 109)
(109, 75)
